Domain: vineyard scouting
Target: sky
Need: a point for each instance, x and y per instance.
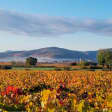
(73, 24)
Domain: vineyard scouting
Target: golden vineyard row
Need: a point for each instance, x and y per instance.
(56, 91)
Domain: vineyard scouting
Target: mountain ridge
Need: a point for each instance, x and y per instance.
(49, 54)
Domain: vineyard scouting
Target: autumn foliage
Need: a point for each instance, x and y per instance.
(56, 91)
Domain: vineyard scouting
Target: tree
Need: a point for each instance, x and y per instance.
(31, 61)
(84, 63)
(108, 58)
(105, 58)
(101, 57)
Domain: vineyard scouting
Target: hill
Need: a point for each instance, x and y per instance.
(49, 54)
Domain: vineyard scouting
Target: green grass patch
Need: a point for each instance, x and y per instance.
(33, 68)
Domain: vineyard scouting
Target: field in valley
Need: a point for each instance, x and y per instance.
(55, 91)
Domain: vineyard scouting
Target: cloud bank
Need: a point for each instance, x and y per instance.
(48, 26)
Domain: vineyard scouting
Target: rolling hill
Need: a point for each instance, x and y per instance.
(49, 54)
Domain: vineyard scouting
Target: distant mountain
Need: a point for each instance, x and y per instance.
(49, 54)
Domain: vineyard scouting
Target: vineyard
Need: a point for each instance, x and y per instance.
(55, 91)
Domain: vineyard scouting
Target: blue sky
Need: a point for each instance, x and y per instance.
(73, 24)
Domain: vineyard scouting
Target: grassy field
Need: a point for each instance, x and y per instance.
(54, 68)
(33, 68)
(56, 91)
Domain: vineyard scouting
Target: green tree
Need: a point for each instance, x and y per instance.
(101, 57)
(31, 61)
(84, 63)
(108, 58)
(105, 58)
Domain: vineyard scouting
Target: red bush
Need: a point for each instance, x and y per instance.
(13, 90)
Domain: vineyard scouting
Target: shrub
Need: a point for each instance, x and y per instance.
(95, 67)
(84, 63)
(84, 67)
(67, 68)
(73, 64)
(58, 69)
(5, 67)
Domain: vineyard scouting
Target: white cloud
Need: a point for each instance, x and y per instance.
(48, 26)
